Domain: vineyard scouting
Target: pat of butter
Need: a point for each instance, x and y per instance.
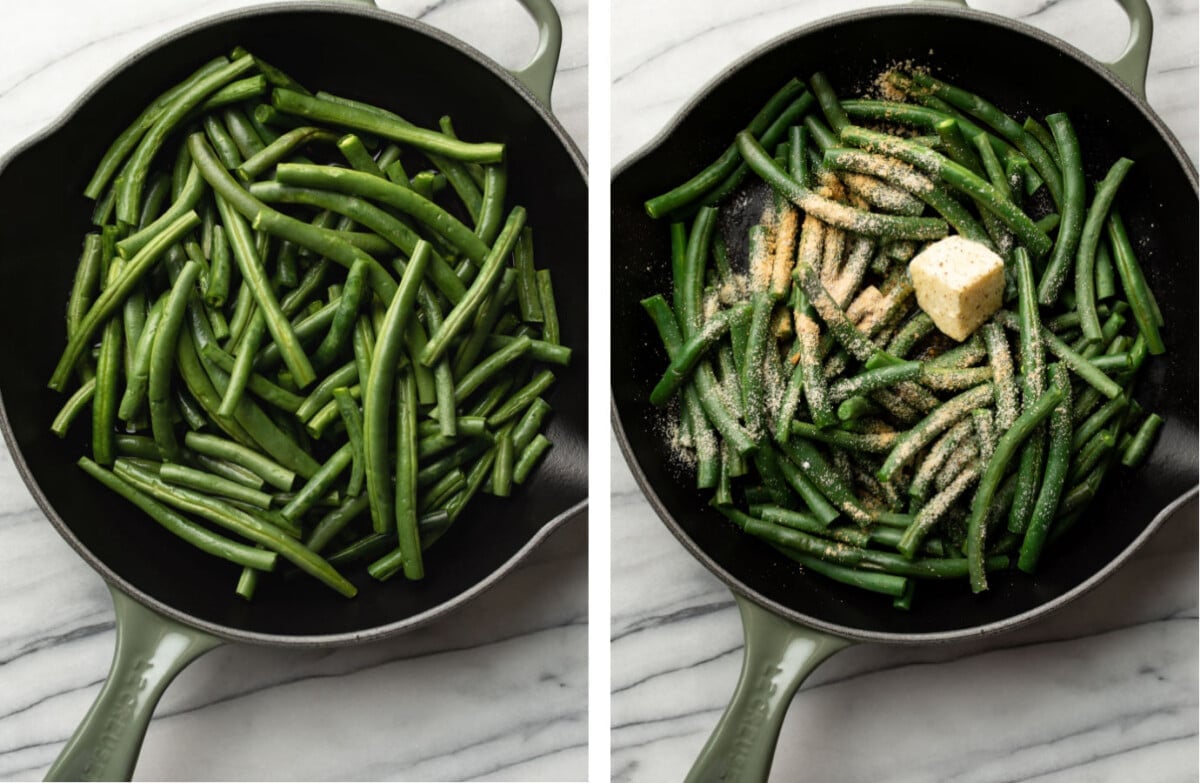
(959, 283)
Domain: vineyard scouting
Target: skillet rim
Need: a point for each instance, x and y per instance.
(112, 579)
(634, 465)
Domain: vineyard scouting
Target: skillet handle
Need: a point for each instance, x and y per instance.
(151, 650)
(1131, 66)
(538, 73)
(779, 655)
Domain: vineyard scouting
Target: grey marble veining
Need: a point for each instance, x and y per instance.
(496, 691)
(1104, 690)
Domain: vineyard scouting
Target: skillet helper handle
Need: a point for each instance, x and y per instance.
(779, 655)
(538, 73)
(1132, 64)
(151, 650)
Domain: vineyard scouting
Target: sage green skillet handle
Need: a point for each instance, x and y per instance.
(151, 650)
(779, 655)
(1133, 63)
(538, 73)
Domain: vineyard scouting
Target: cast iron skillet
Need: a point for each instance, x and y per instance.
(794, 620)
(173, 603)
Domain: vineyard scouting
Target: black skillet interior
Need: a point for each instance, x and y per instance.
(358, 55)
(1158, 202)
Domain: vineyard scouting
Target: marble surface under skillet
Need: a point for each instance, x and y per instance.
(497, 691)
(1105, 690)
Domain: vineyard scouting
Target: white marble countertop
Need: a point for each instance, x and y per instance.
(497, 691)
(1105, 690)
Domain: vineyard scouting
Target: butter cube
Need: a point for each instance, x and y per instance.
(959, 283)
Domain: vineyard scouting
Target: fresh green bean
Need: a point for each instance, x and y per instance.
(1139, 447)
(377, 394)
(722, 168)
(458, 316)
(347, 116)
(180, 526)
(255, 276)
(133, 177)
(1085, 256)
(114, 295)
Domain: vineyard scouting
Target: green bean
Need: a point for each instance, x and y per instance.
(356, 155)
(134, 175)
(74, 405)
(1073, 207)
(1139, 447)
(193, 189)
(221, 141)
(457, 318)
(352, 418)
(724, 167)
(254, 275)
(1006, 447)
(550, 328)
(1077, 363)
(246, 525)
(831, 212)
(1085, 256)
(243, 366)
(827, 98)
(879, 442)
(1093, 424)
(162, 358)
(1093, 451)
(384, 124)
(219, 448)
(1007, 126)
(527, 293)
(816, 393)
(529, 457)
(279, 149)
(114, 295)
(217, 289)
(344, 318)
(211, 484)
(522, 398)
(489, 367)
(877, 378)
(935, 509)
(841, 554)
(937, 422)
(1141, 300)
(1033, 374)
(485, 323)
(502, 469)
(180, 526)
(377, 393)
(957, 177)
(264, 389)
(128, 140)
(693, 349)
(319, 484)
(138, 374)
(87, 278)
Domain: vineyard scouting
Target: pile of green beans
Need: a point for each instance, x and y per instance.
(819, 404)
(292, 348)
